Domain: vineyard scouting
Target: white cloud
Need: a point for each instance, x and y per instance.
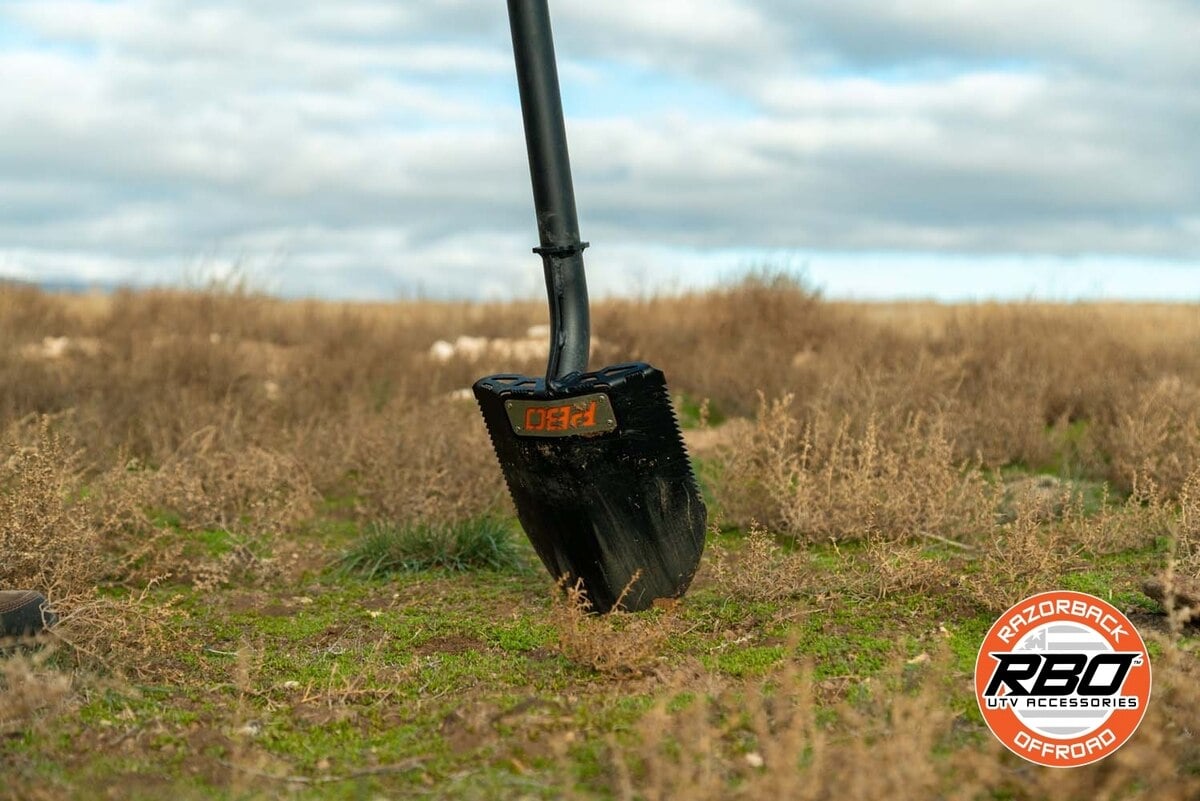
(381, 141)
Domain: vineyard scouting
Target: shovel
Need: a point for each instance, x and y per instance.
(594, 461)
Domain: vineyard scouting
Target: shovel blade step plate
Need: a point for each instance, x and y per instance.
(601, 480)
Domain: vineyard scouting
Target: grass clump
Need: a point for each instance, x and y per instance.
(482, 543)
(760, 570)
(45, 542)
(619, 643)
(825, 480)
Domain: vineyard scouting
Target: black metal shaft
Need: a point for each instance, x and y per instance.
(553, 193)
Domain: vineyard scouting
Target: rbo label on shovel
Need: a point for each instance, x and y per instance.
(589, 414)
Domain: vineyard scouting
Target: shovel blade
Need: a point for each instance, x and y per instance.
(601, 480)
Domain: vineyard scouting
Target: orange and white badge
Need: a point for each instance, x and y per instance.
(1063, 679)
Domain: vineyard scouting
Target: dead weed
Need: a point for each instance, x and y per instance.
(46, 541)
(821, 481)
(616, 644)
(760, 570)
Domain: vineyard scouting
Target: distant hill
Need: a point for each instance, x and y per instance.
(67, 286)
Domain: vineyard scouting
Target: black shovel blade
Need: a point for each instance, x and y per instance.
(601, 480)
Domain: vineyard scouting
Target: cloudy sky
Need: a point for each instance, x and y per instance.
(373, 149)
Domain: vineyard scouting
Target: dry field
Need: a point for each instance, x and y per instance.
(286, 564)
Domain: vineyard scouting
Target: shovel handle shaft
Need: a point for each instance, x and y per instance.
(553, 193)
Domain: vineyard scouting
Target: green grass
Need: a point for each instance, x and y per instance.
(434, 649)
(690, 412)
(484, 543)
